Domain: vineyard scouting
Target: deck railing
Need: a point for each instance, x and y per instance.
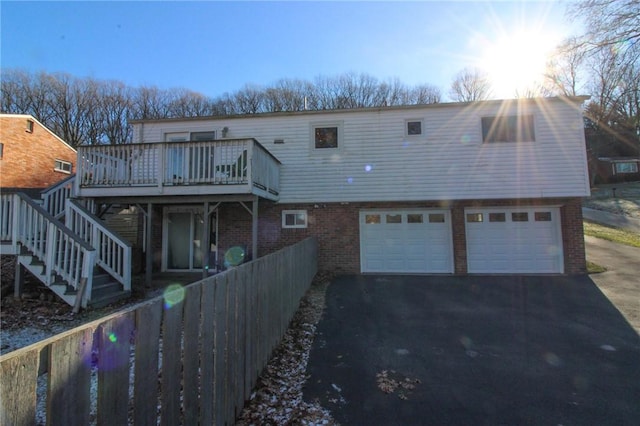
(113, 253)
(60, 250)
(229, 161)
(195, 354)
(6, 217)
(54, 198)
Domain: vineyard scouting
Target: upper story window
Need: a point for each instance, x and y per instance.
(202, 136)
(1, 150)
(326, 135)
(508, 128)
(29, 126)
(413, 127)
(63, 166)
(189, 136)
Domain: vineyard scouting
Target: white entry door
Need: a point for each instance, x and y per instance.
(406, 241)
(514, 240)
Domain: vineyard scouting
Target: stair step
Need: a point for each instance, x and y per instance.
(103, 301)
(105, 289)
(99, 279)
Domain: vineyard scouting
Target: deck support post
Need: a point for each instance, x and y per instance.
(148, 270)
(206, 244)
(18, 283)
(254, 230)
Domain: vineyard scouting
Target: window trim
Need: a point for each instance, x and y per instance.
(413, 120)
(59, 166)
(295, 213)
(30, 125)
(325, 124)
(525, 131)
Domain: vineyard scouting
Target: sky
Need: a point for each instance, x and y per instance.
(215, 47)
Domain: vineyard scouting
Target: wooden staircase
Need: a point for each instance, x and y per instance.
(80, 258)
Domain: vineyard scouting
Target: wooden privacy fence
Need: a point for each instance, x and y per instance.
(190, 357)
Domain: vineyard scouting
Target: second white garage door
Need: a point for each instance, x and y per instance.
(406, 241)
(514, 240)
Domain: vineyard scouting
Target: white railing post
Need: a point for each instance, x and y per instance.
(161, 165)
(87, 273)
(50, 257)
(15, 220)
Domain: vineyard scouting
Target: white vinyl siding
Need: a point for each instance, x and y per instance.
(378, 162)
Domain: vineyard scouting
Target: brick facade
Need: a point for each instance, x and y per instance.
(336, 225)
(28, 157)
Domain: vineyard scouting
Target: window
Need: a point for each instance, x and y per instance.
(512, 128)
(414, 127)
(372, 219)
(496, 217)
(202, 136)
(1, 149)
(29, 126)
(394, 218)
(63, 166)
(436, 218)
(520, 217)
(414, 218)
(474, 217)
(326, 136)
(542, 216)
(627, 167)
(294, 218)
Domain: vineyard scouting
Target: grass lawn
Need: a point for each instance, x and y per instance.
(612, 234)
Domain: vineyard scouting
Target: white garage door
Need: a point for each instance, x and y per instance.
(406, 241)
(514, 240)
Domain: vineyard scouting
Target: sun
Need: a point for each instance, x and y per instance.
(516, 62)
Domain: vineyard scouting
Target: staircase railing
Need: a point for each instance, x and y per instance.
(113, 253)
(6, 217)
(62, 252)
(55, 197)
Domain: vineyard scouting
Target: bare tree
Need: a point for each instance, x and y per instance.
(564, 69)
(469, 85)
(608, 22)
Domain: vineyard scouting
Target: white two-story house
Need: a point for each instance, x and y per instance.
(488, 187)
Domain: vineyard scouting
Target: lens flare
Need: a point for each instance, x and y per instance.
(173, 295)
(113, 338)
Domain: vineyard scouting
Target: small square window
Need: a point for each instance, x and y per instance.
(63, 166)
(29, 126)
(294, 218)
(414, 218)
(326, 137)
(520, 217)
(414, 127)
(542, 216)
(394, 218)
(436, 218)
(474, 217)
(372, 219)
(497, 217)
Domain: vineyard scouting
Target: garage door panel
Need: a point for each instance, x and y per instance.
(514, 246)
(408, 240)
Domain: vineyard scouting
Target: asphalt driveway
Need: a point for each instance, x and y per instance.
(410, 350)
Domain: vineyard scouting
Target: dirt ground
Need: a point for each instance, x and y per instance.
(620, 198)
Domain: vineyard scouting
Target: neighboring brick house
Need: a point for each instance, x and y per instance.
(31, 156)
(457, 188)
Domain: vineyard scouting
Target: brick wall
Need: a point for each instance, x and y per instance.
(28, 158)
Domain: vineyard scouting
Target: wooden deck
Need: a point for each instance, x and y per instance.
(219, 167)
